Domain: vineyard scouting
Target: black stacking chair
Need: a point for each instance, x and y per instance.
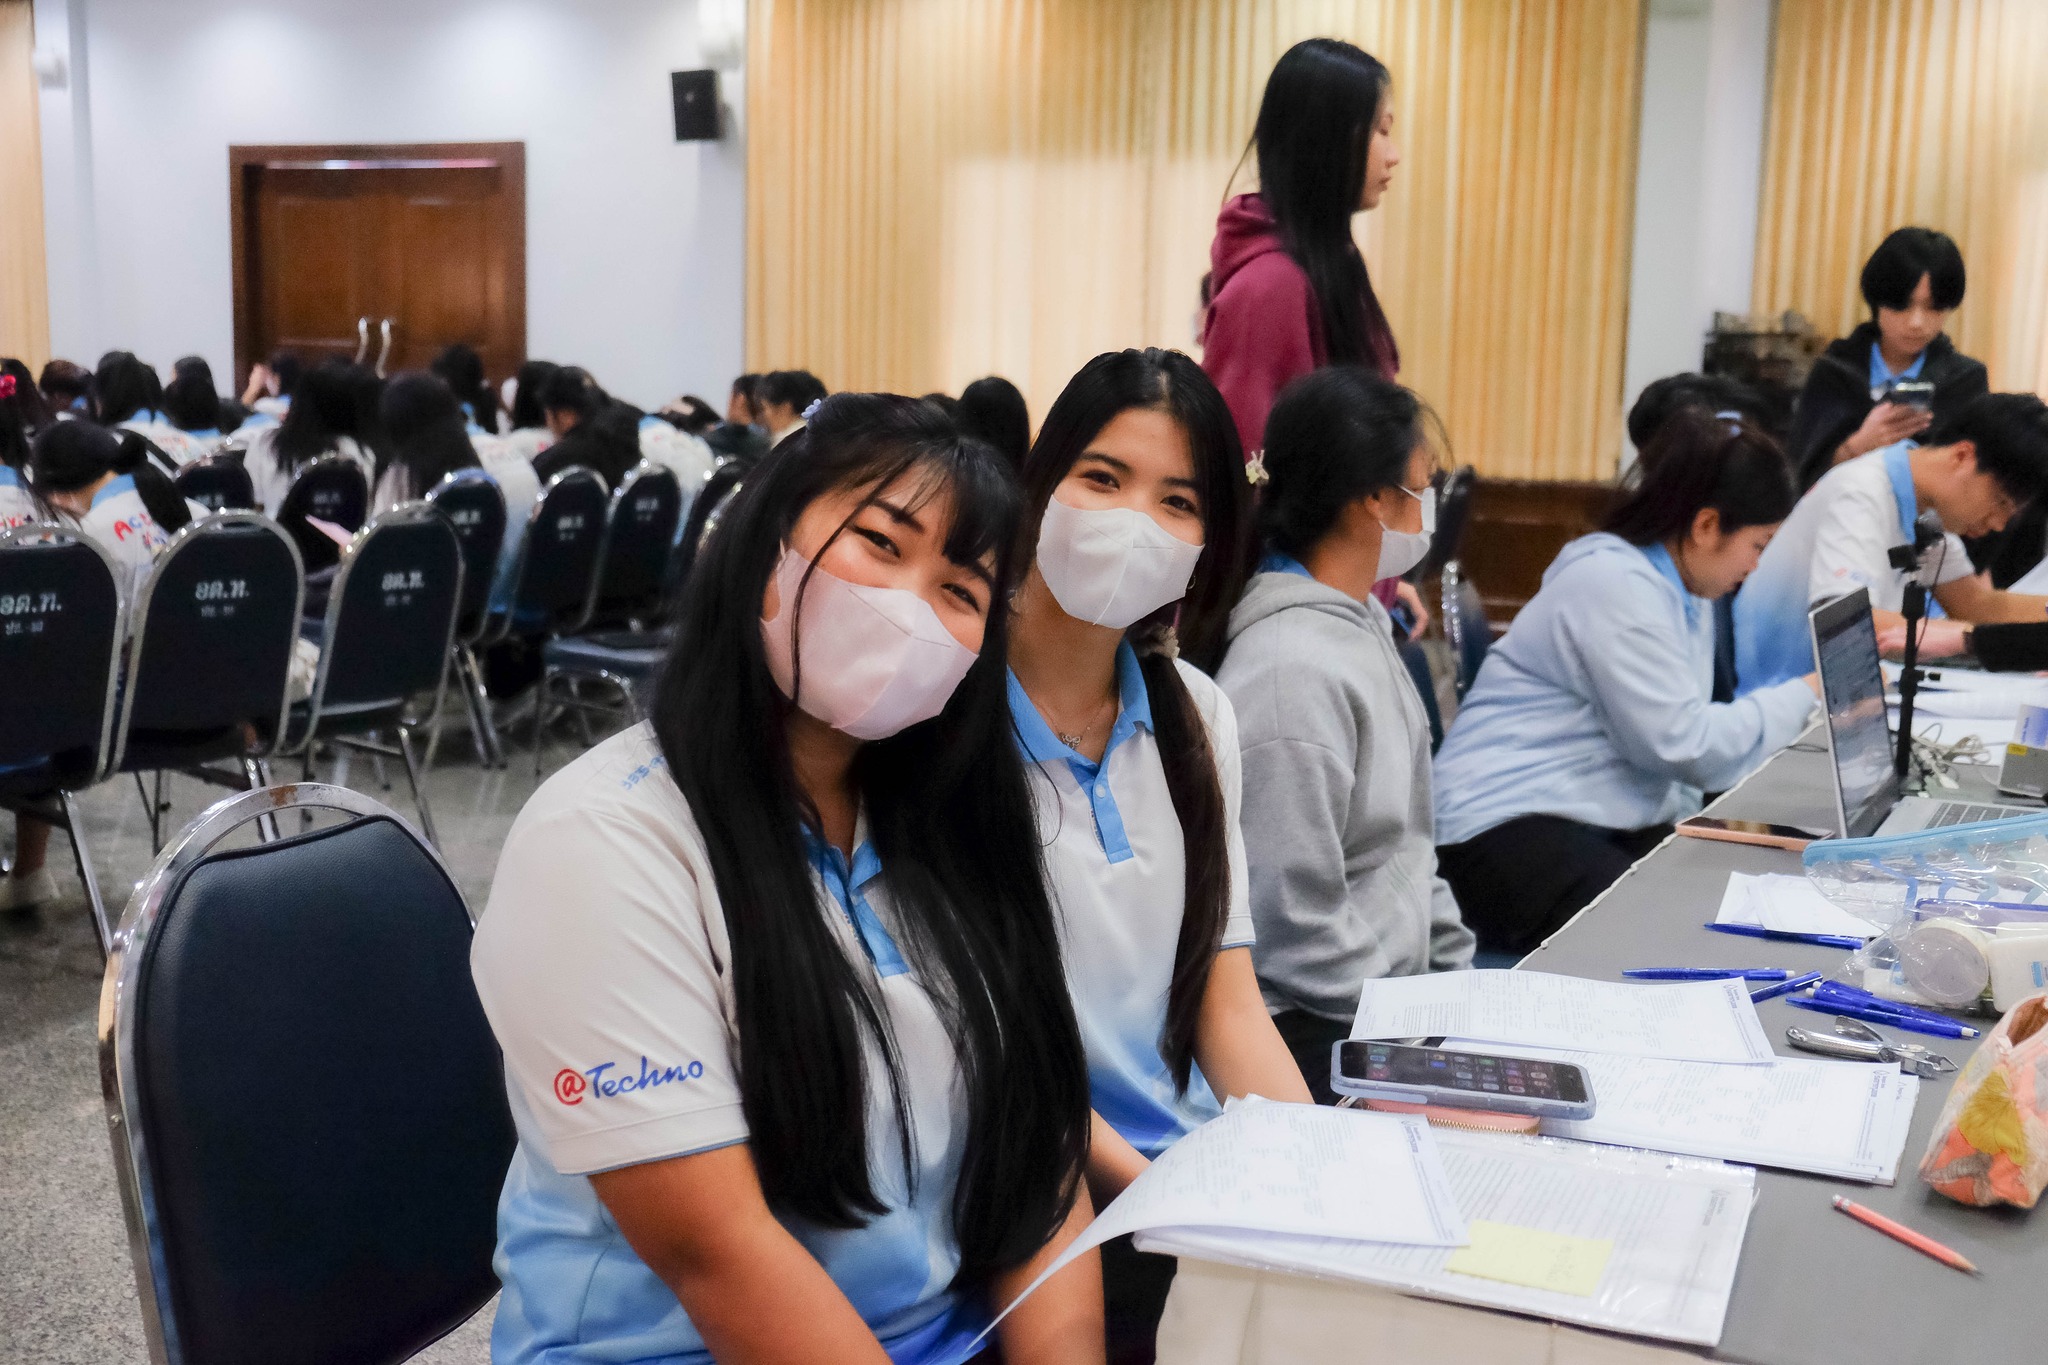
(558, 559)
(474, 506)
(209, 659)
(334, 489)
(1466, 628)
(639, 541)
(216, 482)
(384, 641)
(626, 603)
(306, 1101)
(60, 635)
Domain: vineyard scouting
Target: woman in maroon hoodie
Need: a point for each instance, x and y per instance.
(1288, 289)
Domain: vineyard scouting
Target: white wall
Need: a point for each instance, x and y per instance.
(634, 241)
(1706, 83)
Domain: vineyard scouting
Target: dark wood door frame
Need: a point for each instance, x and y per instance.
(245, 161)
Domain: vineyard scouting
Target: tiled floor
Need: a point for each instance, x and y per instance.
(67, 1295)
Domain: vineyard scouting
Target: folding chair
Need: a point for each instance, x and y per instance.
(384, 640)
(632, 576)
(210, 656)
(334, 489)
(305, 1099)
(474, 507)
(216, 482)
(60, 634)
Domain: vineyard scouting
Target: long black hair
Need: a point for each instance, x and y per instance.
(462, 370)
(123, 386)
(1334, 436)
(429, 440)
(994, 409)
(1315, 129)
(949, 815)
(68, 456)
(323, 411)
(1169, 382)
(25, 409)
(526, 386)
(1696, 461)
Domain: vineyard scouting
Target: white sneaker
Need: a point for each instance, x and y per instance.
(20, 893)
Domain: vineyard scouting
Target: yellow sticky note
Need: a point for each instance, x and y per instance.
(1539, 1260)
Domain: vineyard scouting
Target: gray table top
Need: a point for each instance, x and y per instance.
(1815, 1287)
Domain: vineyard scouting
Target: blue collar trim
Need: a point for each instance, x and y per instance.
(8, 478)
(114, 488)
(1881, 376)
(848, 883)
(1134, 708)
(1275, 562)
(1898, 464)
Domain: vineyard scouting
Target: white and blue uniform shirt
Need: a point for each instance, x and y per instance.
(270, 480)
(1117, 865)
(1883, 381)
(1838, 539)
(17, 506)
(604, 966)
(120, 521)
(182, 446)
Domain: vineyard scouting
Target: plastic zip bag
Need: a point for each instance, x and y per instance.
(1882, 878)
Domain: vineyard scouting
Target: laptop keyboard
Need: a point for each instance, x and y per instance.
(1962, 813)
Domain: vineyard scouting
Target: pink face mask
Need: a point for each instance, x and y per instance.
(875, 660)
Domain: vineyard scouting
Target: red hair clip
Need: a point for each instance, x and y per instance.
(6, 386)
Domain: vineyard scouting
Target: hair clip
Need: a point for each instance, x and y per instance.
(1255, 469)
(6, 386)
(808, 413)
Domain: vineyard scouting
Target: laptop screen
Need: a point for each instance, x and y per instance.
(1852, 688)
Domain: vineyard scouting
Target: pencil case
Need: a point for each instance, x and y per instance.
(1990, 1145)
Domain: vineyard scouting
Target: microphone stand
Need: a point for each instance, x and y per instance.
(1914, 609)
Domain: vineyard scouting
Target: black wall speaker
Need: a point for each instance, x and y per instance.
(696, 99)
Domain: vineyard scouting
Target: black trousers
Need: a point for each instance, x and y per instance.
(1310, 1037)
(1519, 882)
(1134, 1288)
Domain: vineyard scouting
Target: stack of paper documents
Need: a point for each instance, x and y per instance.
(1844, 1119)
(1791, 905)
(1300, 1169)
(1697, 1021)
(1629, 1241)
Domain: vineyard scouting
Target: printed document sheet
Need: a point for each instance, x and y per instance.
(1696, 1021)
(1791, 905)
(1672, 1229)
(1292, 1168)
(1845, 1119)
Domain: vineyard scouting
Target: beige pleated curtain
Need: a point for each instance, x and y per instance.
(1889, 113)
(941, 189)
(24, 299)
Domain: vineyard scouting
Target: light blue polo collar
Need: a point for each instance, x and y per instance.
(1660, 559)
(1275, 562)
(1881, 376)
(1898, 465)
(8, 478)
(848, 885)
(114, 488)
(1040, 745)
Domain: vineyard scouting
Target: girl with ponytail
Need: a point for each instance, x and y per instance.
(103, 482)
(1137, 516)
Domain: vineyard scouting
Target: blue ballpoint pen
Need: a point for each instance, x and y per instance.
(1797, 983)
(1706, 973)
(1942, 1028)
(1784, 936)
(1850, 995)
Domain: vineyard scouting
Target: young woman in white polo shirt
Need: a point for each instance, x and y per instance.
(807, 891)
(1138, 512)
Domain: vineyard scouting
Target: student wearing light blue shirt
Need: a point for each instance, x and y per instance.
(775, 974)
(1590, 728)
(1137, 515)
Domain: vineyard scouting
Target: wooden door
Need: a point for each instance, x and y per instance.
(336, 246)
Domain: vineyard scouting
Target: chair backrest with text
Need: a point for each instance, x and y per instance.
(332, 489)
(60, 632)
(640, 535)
(216, 482)
(392, 612)
(474, 508)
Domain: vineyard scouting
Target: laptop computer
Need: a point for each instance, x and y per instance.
(1867, 797)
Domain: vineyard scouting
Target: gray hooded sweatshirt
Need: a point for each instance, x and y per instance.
(1338, 830)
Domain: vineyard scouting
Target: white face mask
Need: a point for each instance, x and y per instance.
(1401, 551)
(875, 660)
(1111, 566)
